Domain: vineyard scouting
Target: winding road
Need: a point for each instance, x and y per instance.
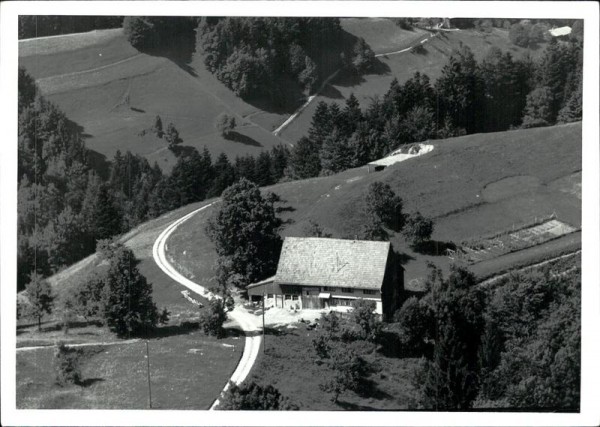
(245, 320)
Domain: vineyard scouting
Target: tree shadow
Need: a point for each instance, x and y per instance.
(280, 209)
(182, 150)
(90, 381)
(98, 163)
(179, 48)
(137, 110)
(331, 92)
(348, 406)
(242, 139)
(434, 248)
(404, 258)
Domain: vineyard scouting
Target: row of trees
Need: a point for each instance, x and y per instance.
(256, 56)
(517, 345)
(495, 94)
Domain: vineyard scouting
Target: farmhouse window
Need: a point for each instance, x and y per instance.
(294, 297)
(369, 291)
(348, 290)
(287, 297)
(269, 295)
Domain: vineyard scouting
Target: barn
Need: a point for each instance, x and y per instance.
(321, 273)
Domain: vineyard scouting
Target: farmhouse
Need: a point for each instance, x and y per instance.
(319, 273)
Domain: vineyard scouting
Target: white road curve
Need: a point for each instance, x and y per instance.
(246, 320)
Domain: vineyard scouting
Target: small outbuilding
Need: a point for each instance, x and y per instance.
(321, 273)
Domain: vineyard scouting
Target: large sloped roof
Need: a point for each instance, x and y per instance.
(332, 262)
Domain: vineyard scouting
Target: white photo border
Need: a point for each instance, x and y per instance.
(588, 11)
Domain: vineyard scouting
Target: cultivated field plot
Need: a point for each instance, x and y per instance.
(492, 247)
(187, 371)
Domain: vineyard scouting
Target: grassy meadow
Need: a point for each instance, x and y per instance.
(449, 184)
(188, 369)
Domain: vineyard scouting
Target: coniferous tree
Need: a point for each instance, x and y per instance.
(158, 126)
(321, 124)
(383, 204)
(129, 308)
(106, 216)
(450, 380)
(336, 154)
(172, 136)
(304, 159)
(224, 176)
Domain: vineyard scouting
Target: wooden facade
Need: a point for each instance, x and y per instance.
(318, 273)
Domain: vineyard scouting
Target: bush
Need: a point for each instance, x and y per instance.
(255, 397)
(418, 229)
(66, 365)
(212, 319)
(225, 124)
(349, 373)
(365, 317)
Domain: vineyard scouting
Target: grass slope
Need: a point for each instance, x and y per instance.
(187, 372)
(117, 95)
(188, 369)
(401, 66)
(448, 184)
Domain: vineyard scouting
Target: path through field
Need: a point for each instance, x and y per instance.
(247, 321)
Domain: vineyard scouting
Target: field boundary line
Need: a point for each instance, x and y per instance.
(91, 70)
(84, 344)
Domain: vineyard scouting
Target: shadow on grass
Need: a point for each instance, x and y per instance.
(354, 407)
(242, 139)
(137, 110)
(434, 248)
(182, 150)
(90, 381)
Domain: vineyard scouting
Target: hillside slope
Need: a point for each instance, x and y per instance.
(113, 92)
(430, 60)
(535, 173)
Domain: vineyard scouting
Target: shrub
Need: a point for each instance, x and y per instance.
(66, 364)
(365, 317)
(349, 373)
(418, 229)
(225, 124)
(213, 318)
(255, 397)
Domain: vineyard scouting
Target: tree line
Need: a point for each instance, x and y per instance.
(495, 94)
(67, 202)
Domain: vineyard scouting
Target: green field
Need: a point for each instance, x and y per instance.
(183, 378)
(187, 372)
(115, 96)
(447, 184)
